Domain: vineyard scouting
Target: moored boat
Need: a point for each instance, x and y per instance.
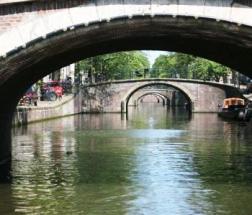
(235, 109)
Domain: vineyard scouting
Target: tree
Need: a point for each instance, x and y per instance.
(208, 70)
(121, 65)
(182, 63)
(172, 66)
(163, 67)
(187, 66)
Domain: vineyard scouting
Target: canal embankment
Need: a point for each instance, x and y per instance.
(45, 110)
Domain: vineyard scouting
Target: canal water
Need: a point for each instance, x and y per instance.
(158, 162)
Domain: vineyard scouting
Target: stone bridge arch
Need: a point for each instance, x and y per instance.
(114, 96)
(161, 93)
(46, 41)
(185, 91)
(158, 95)
(29, 24)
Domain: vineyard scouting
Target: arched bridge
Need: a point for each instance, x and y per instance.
(218, 30)
(168, 96)
(115, 96)
(39, 37)
(156, 94)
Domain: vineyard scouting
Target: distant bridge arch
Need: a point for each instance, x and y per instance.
(164, 93)
(164, 98)
(176, 85)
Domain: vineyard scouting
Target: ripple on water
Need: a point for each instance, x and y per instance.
(160, 164)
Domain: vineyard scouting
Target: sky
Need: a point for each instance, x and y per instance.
(152, 55)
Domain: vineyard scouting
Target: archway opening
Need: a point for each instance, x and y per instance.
(152, 98)
(176, 96)
(20, 68)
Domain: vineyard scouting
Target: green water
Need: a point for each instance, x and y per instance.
(157, 162)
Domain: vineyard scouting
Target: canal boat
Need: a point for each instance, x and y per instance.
(235, 109)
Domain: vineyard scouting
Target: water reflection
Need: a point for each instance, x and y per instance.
(43, 173)
(160, 161)
(222, 157)
(158, 116)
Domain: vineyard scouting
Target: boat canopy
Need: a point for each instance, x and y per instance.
(233, 102)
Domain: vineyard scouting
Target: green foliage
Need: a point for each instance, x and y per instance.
(208, 70)
(171, 66)
(187, 66)
(134, 64)
(121, 65)
(163, 67)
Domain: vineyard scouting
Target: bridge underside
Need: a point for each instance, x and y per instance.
(226, 43)
(149, 97)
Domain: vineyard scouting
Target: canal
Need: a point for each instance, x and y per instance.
(160, 161)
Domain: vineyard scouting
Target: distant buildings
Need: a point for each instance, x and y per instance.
(61, 74)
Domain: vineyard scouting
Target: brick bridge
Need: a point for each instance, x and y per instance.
(115, 96)
(39, 37)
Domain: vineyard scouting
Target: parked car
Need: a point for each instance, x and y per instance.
(29, 98)
(52, 90)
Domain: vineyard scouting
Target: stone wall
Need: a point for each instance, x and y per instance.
(29, 114)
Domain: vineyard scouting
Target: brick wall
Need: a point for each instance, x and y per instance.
(13, 14)
(9, 21)
(31, 6)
